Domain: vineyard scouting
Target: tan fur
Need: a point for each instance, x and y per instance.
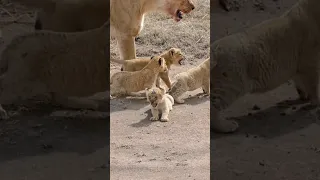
(49, 62)
(126, 17)
(264, 57)
(192, 79)
(159, 101)
(173, 56)
(126, 82)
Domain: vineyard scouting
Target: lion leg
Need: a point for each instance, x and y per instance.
(177, 90)
(158, 82)
(310, 80)
(165, 77)
(127, 47)
(300, 88)
(165, 115)
(74, 102)
(206, 87)
(155, 114)
(225, 91)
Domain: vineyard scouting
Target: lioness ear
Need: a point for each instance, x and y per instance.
(160, 61)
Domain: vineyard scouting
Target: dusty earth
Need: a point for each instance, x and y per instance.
(44, 142)
(178, 149)
(277, 141)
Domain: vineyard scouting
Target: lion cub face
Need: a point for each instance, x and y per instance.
(159, 62)
(176, 56)
(176, 8)
(155, 95)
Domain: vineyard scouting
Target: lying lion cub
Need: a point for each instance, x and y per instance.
(126, 82)
(69, 66)
(159, 101)
(172, 56)
(191, 80)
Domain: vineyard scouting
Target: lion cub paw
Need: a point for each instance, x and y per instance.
(154, 119)
(179, 101)
(164, 119)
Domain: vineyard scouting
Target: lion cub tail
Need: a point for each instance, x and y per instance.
(118, 61)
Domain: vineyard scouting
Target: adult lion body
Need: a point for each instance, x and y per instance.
(266, 56)
(126, 16)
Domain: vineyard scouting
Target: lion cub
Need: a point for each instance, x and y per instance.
(191, 80)
(173, 56)
(126, 82)
(159, 101)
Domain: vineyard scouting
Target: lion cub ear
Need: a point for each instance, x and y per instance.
(152, 57)
(160, 61)
(163, 91)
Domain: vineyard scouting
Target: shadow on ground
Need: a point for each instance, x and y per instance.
(47, 129)
(286, 117)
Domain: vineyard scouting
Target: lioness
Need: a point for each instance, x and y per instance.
(126, 82)
(173, 56)
(126, 16)
(44, 62)
(264, 57)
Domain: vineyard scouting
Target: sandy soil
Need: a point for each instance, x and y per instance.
(44, 142)
(279, 141)
(178, 149)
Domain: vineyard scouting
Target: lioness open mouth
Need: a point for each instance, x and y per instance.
(178, 16)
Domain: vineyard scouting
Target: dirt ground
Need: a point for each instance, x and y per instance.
(279, 141)
(46, 142)
(178, 149)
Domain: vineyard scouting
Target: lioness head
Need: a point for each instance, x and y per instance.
(155, 95)
(176, 8)
(160, 62)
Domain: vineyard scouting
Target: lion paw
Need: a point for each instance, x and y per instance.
(179, 101)
(164, 119)
(154, 119)
(226, 126)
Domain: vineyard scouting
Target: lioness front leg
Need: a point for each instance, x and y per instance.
(127, 47)
(155, 114)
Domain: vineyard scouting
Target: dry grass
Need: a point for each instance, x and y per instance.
(191, 35)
